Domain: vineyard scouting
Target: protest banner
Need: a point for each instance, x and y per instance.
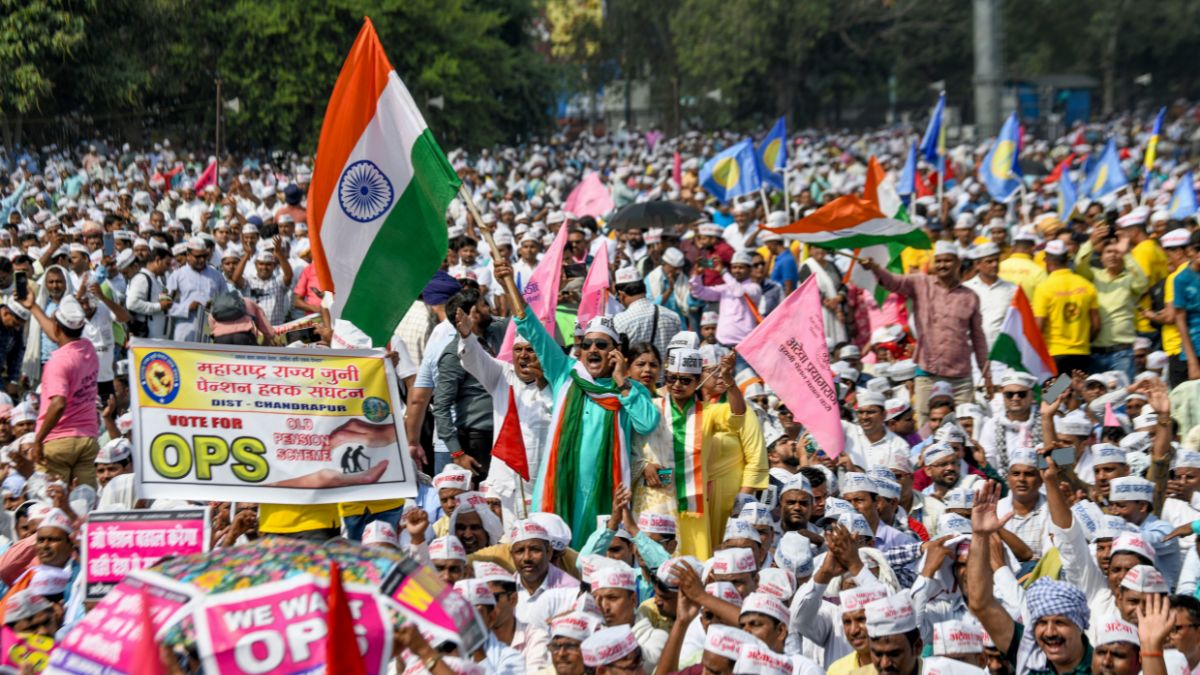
(263, 424)
(105, 639)
(28, 650)
(116, 543)
(789, 353)
(281, 627)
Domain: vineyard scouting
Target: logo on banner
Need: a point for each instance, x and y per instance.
(376, 409)
(159, 377)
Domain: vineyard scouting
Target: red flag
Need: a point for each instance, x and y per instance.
(146, 658)
(209, 177)
(341, 644)
(677, 170)
(1059, 168)
(510, 444)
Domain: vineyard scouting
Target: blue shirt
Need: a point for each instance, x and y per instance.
(1169, 561)
(785, 268)
(1187, 298)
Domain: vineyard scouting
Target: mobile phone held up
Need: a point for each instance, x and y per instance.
(20, 286)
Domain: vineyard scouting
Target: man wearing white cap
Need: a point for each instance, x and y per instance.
(520, 382)
(67, 424)
(870, 441)
(448, 557)
(1067, 311)
(1020, 426)
(114, 459)
(949, 323)
(615, 588)
(567, 634)
(995, 294)
(615, 650)
(1019, 267)
(894, 636)
(192, 287)
(146, 298)
(708, 252)
(543, 590)
(667, 285)
(1132, 498)
(738, 296)
(642, 320)
(600, 408)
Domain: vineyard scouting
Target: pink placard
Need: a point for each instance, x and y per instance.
(105, 639)
(116, 543)
(281, 627)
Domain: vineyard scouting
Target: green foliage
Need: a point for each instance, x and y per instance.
(36, 38)
(128, 65)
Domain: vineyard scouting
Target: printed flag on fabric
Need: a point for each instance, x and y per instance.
(1106, 175)
(880, 191)
(999, 171)
(933, 143)
(732, 173)
(788, 351)
(1020, 344)
(772, 154)
(379, 194)
(1067, 196)
(1183, 200)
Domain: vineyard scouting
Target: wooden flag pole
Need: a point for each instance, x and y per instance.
(514, 296)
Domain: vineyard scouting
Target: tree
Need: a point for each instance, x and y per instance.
(37, 38)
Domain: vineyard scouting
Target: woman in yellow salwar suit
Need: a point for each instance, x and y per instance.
(702, 453)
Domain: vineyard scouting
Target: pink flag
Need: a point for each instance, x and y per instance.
(594, 297)
(589, 198)
(677, 171)
(1110, 417)
(788, 352)
(209, 177)
(541, 291)
(652, 139)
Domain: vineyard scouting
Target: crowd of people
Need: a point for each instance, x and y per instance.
(678, 516)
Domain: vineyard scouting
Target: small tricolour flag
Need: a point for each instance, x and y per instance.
(880, 190)
(379, 194)
(1020, 344)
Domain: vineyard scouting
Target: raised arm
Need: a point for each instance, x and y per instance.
(980, 600)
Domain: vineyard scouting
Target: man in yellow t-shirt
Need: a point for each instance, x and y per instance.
(1019, 267)
(1131, 228)
(1175, 251)
(1067, 309)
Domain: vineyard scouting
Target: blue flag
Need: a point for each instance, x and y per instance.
(732, 173)
(1107, 175)
(908, 175)
(772, 154)
(1067, 196)
(933, 143)
(1183, 200)
(999, 171)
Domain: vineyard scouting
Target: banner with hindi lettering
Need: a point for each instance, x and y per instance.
(115, 543)
(265, 424)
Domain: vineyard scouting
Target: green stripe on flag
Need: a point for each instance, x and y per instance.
(409, 248)
(914, 238)
(1006, 351)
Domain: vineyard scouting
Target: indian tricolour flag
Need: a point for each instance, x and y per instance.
(850, 222)
(1020, 345)
(379, 194)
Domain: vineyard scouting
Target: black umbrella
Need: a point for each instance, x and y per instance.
(645, 215)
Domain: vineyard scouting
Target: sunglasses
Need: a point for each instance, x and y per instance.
(1015, 394)
(759, 265)
(585, 345)
(685, 380)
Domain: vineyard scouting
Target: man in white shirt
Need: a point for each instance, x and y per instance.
(1019, 426)
(870, 442)
(740, 235)
(995, 294)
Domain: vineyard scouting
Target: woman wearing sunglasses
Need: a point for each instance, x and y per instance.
(701, 454)
(596, 410)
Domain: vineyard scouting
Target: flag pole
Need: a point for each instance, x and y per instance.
(514, 296)
(762, 192)
(524, 506)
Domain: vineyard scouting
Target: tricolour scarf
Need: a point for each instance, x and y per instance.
(560, 494)
(687, 441)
